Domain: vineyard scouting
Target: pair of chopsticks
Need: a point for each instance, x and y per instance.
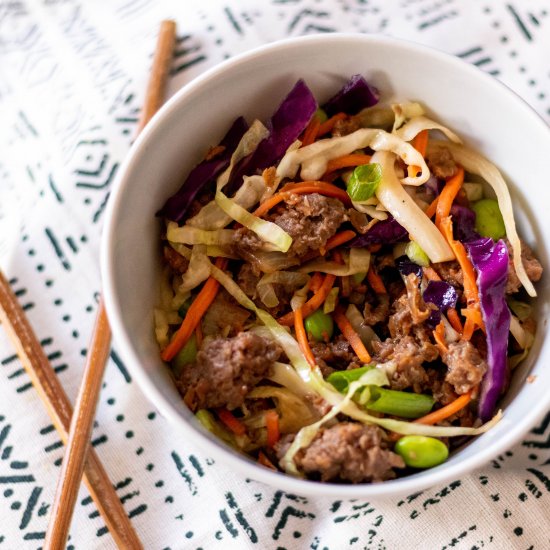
(75, 427)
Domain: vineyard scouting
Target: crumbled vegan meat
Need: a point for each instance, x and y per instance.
(226, 369)
(334, 355)
(409, 356)
(442, 163)
(176, 261)
(466, 366)
(450, 272)
(309, 219)
(409, 346)
(346, 126)
(349, 451)
(532, 266)
(377, 309)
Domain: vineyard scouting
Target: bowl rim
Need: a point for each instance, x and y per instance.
(244, 465)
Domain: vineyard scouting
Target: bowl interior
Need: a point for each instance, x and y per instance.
(486, 115)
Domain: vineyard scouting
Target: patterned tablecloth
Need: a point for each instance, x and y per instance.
(72, 75)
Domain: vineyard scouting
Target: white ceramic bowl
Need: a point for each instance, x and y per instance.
(484, 112)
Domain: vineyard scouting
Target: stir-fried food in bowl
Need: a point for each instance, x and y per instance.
(345, 294)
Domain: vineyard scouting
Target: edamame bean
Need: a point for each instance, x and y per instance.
(319, 326)
(419, 451)
(489, 222)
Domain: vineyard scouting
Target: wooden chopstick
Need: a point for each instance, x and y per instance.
(58, 405)
(85, 407)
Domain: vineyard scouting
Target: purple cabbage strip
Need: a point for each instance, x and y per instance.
(490, 261)
(384, 232)
(464, 222)
(177, 205)
(405, 266)
(285, 126)
(355, 95)
(443, 296)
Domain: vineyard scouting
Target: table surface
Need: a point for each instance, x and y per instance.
(72, 75)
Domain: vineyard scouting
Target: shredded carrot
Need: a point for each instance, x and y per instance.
(328, 125)
(446, 411)
(339, 238)
(264, 461)
(447, 196)
(469, 327)
(301, 336)
(231, 421)
(431, 210)
(346, 161)
(420, 143)
(302, 188)
(316, 282)
(313, 303)
(439, 336)
(351, 336)
(375, 281)
(310, 133)
(470, 281)
(333, 242)
(272, 426)
(473, 320)
(431, 274)
(197, 309)
(454, 319)
(321, 187)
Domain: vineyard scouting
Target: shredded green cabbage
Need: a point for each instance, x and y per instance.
(404, 111)
(314, 158)
(194, 235)
(267, 231)
(211, 216)
(391, 194)
(357, 260)
(419, 123)
(198, 270)
(290, 279)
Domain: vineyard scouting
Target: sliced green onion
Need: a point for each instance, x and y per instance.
(399, 403)
(343, 378)
(186, 355)
(489, 220)
(419, 451)
(319, 326)
(416, 254)
(364, 181)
